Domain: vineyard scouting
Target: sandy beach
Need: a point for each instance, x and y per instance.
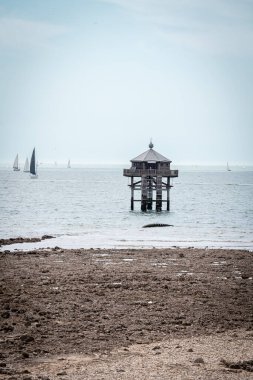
(125, 314)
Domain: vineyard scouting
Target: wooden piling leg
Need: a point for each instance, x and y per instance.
(132, 194)
(159, 193)
(143, 205)
(168, 193)
(150, 194)
(143, 193)
(149, 204)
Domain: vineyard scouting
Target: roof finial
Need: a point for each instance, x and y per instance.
(151, 145)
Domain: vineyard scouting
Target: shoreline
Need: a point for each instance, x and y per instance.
(21, 240)
(100, 313)
(47, 242)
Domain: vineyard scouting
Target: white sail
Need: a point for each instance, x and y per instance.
(228, 168)
(27, 166)
(68, 164)
(15, 165)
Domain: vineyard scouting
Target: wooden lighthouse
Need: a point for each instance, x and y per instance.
(150, 174)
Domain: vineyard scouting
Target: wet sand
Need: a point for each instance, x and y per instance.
(124, 314)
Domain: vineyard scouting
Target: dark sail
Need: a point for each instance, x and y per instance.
(33, 164)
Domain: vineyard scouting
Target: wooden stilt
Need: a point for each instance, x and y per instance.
(143, 193)
(168, 193)
(132, 193)
(158, 193)
(150, 194)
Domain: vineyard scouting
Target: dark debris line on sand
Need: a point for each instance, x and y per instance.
(246, 365)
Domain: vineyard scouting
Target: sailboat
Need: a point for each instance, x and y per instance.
(15, 165)
(228, 168)
(27, 166)
(68, 164)
(33, 166)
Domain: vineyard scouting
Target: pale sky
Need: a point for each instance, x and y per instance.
(93, 80)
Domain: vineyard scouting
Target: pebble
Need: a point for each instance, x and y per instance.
(199, 361)
(156, 348)
(5, 314)
(26, 338)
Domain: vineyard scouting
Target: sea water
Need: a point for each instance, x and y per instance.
(90, 207)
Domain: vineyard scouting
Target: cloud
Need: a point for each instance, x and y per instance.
(215, 26)
(20, 33)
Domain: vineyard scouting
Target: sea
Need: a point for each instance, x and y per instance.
(89, 207)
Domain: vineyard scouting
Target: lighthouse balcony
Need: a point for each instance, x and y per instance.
(164, 172)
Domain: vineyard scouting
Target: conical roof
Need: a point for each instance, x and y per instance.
(151, 156)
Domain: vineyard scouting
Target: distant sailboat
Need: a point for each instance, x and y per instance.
(68, 164)
(27, 166)
(15, 165)
(33, 166)
(228, 168)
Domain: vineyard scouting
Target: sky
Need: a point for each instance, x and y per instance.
(94, 80)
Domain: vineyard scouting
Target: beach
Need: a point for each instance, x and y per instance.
(124, 314)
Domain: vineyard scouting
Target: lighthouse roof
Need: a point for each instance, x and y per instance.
(151, 156)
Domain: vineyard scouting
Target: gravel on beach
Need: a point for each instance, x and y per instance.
(124, 314)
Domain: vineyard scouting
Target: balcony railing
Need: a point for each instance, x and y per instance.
(132, 172)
